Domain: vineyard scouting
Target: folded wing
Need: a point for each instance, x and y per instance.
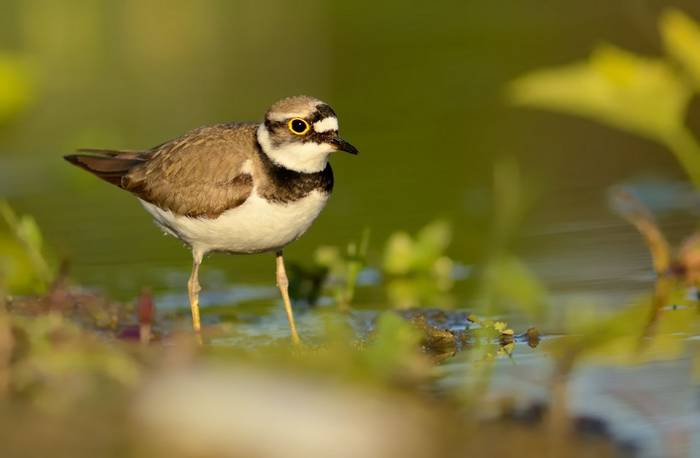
(201, 174)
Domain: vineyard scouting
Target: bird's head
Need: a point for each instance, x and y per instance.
(299, 133)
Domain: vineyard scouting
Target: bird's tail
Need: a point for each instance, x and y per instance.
(110, 165)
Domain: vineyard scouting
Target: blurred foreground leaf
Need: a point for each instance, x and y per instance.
(23, 264)
(681, 35)
(404, 254)
(639, 94)
(645, 96)
(619, 339)
(344, 267)
(419, 271)
(395, 348)
(15, 87)
(56, 363)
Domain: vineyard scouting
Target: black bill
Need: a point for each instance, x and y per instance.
(344, 146)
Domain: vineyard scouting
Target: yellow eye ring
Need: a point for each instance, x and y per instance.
(298, 126)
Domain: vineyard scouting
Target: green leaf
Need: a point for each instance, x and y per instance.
(28, 230)
(16, 271)
(617, 338)
(25, 247)
(15, 87)
(396, 343)
(404, 254)
(681, 36)
(399, 254)
(431, 242)
(616, 87)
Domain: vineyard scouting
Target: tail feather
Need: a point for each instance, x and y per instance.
(108, 165)
(121, 153)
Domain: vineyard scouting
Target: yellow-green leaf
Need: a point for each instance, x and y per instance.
(15, 86)
(681, 35)
(613, 86)
(399, 254)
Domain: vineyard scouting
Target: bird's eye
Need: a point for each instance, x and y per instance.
(298, 126)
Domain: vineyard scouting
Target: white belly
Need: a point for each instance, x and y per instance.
(253, 227)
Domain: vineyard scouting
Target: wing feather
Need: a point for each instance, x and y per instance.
(200, 174)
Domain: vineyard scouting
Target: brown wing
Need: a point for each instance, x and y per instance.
(200, 174)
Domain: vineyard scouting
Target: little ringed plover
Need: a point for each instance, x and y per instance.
(234, 187)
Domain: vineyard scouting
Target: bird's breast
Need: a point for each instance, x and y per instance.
(255, 226)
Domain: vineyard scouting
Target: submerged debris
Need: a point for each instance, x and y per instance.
(444, 333)
(533, 337)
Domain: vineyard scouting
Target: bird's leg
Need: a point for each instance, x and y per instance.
(193, 290)
(283, 285)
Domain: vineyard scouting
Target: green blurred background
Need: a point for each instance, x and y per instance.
(418, 86)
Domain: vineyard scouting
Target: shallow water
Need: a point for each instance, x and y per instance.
(576, 246)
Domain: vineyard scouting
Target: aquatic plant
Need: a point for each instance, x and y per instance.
(417, 268)
(342, 267)
(643, 95)
(657, 327)
(24, 265)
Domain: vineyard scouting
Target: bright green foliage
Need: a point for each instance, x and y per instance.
(489, 329)
(625, 336)
(15, 87)
(344, 267)
(645, 96)
(23, 263)
(395, 345)
(639, 94)
(16, 273)
(419, 272)
(681, 36)
(404, 255)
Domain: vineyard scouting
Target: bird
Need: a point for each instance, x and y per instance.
(234, 187)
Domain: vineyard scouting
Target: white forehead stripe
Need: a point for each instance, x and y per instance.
(326, 124)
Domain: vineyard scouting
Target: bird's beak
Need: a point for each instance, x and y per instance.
(344, 146)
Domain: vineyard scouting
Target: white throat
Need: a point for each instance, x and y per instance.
(300, 157)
